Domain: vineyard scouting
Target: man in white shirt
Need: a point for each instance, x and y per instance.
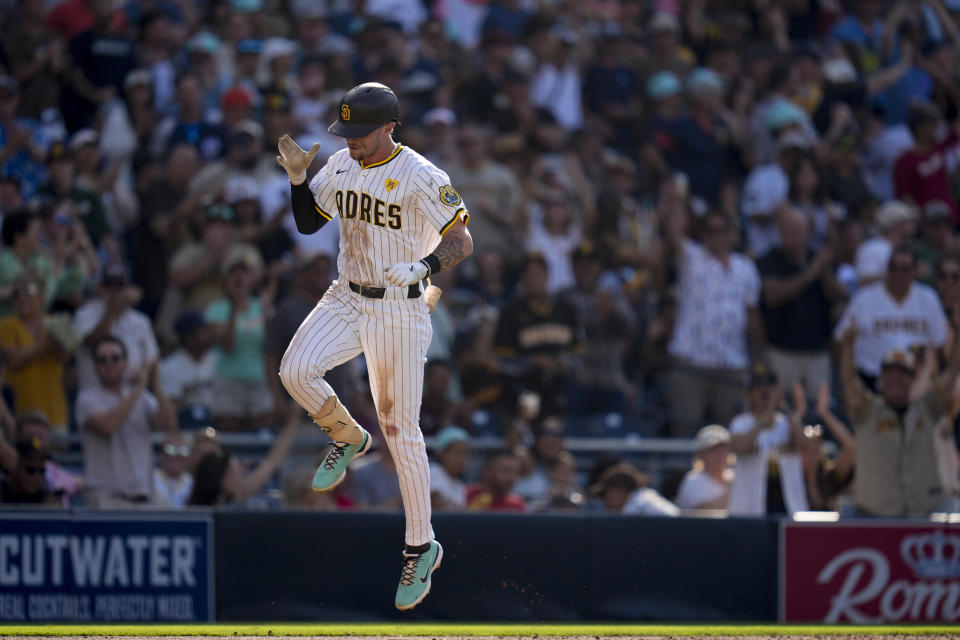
(111, 313)
(115, 418)
(187, 374)
(718, 325)
(898, 313)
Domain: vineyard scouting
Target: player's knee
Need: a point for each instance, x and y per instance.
(289, 376)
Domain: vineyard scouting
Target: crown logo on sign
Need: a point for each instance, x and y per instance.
(933, 555)
(344, 112)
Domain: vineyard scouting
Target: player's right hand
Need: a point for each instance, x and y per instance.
(295, 160)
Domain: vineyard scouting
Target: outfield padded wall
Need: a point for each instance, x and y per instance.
(345, 566)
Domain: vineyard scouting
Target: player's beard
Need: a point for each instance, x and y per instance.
(362, 152)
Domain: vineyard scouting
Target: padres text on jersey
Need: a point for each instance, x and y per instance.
(391, 211)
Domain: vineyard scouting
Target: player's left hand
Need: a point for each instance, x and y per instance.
(404, 274)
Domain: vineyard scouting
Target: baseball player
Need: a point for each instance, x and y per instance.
(400, 222)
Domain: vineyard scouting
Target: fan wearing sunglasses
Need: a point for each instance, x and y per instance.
(172, 480)
(115, 420)
(27, 483)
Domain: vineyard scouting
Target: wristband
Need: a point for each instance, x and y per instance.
(432, 263)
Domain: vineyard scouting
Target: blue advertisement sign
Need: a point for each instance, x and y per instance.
(95, 567)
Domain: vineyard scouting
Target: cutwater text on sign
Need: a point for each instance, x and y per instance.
(156, 561)
(111, 570)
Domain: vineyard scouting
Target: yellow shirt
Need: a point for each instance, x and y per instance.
(39, 384)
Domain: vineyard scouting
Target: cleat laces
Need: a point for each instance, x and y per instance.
(334, 455)
(409, 569)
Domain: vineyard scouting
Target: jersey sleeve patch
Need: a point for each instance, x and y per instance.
(449, 196)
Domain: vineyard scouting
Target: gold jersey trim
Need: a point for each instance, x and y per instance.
(384, 161)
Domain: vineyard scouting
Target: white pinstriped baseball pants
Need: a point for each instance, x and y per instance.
(393, 333)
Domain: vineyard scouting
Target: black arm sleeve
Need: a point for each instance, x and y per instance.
(305, 210)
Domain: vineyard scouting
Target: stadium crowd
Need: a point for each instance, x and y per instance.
(732, 222)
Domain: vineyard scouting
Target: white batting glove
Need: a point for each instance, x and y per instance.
(295, 160)
(404, 274)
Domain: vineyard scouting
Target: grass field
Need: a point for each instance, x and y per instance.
(460, 630)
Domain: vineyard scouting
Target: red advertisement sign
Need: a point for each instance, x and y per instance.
(870, 572)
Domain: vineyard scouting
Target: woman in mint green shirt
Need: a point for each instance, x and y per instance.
(21, 251)
(241, 397)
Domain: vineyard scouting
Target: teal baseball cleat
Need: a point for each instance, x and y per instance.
(333, 469)
(416, 576)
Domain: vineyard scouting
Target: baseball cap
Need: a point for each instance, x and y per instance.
(937, 210)
(188, 322)
(663, 84)
(584, 251)
(236, 97)
(246, 6)
(534, 257)
(82, 138)
(276, 102)
(566, 35)
(114, 275)
(614, 161)
(892, 212)
(449, 436)
(761, 375)
(898, 358)
(839, 71)
(710, 436)
(246, 255)
(32, 449)
(250, 128)
(250, 45)
(138, 78)
(664, 21)
(620, 475)
(57, 151)
(203, 42)
(277, 47)
(308, 9)
(439, 115)
(703, 80)
(610, 283)
(792, 139)
(782, 113)
(306, 260)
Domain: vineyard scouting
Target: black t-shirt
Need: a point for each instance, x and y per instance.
(105, 58)
(801, 324)
(527, 328)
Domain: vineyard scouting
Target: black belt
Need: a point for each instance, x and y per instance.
(413, 291)
(136, 498)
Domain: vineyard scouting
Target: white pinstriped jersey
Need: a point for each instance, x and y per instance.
(392, 211)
